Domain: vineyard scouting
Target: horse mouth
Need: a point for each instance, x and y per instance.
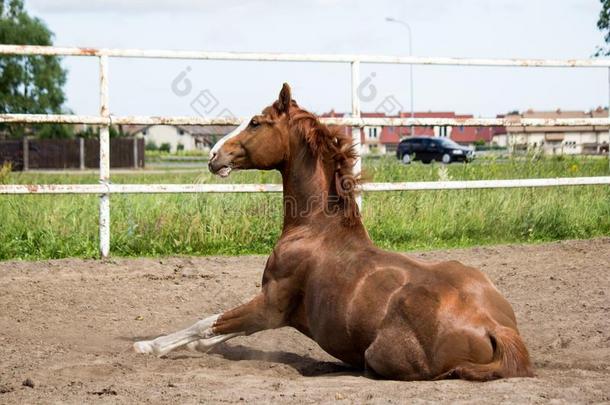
(224, 171)
(220, 169)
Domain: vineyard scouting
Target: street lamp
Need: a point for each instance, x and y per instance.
(405, 24)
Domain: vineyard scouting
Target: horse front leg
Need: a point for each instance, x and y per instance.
(164, 344)
(245, 319)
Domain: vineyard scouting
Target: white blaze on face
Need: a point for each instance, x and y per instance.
(228, 136)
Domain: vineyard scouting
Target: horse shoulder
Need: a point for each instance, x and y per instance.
(291, 256)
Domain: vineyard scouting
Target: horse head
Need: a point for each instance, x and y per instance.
(261, 143)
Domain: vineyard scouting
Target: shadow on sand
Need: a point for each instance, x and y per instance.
(304, 365)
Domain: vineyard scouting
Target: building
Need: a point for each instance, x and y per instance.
(554, 140)
(179, 137)
(382, 140)
(472, 136)
(371, 136)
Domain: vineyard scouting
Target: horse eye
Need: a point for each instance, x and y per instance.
(254, 123)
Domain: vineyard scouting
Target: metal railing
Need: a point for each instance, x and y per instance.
(104, 120)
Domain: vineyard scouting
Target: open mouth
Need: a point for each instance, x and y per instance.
(224, 171)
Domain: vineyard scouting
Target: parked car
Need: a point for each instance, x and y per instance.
(428, 149)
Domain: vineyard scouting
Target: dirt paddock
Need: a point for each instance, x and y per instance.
(67, 326)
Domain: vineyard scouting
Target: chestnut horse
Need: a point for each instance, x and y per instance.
(390, 314)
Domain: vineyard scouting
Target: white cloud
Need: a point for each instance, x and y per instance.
(148, 6)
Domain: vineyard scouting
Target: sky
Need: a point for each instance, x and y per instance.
(560, 29)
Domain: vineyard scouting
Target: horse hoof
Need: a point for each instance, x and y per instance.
(144, 347)
(199, 346)
(193, 346)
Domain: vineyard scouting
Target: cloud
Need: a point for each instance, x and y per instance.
(150, 6)
(408, 7)
(61, 6)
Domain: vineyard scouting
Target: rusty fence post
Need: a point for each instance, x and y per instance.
(135, 152)
(26, 153)
(81, 152)
(104, 160)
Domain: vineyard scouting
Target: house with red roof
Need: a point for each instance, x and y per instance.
(381, 140)
(471, 135)
(550, 140)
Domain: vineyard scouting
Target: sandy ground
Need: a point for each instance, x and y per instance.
(67, 326)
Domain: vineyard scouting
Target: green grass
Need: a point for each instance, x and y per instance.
(37, 227)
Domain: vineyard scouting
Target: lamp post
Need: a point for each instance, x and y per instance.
(406, 25)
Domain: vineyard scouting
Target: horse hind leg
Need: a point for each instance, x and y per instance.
(397, 354)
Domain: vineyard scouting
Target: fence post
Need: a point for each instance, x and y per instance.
(26, 153)
(81, 152)
(609, 117)
(104, 160)
(135, 152)
(355, 65)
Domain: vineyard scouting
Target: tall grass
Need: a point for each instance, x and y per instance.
(37, 226)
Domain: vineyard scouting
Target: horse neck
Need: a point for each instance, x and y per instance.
(308, 194)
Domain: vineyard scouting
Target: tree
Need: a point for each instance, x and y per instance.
(604, 25)
(151, 146)
(29, 84)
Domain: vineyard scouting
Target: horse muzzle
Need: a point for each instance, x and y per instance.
(220, 165)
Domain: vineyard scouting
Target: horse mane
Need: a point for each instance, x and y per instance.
(333, 145)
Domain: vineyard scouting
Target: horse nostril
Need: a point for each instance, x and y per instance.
(213, 156)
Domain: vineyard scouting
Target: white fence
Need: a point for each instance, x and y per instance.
(104, 119)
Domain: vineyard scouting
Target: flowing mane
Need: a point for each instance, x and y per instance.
(331, 144)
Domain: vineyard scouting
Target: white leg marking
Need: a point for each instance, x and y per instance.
(165, 344)
(205, 345)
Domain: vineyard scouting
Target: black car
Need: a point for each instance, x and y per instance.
(428, 149)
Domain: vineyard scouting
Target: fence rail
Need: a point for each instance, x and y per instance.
(296, 57)
(347, 121)
(277, 188)
(104, 120)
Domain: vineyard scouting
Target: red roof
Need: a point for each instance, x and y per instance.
(471, 134)
(332, 114)
(390, 135)
(422, 131)
(499, 130)
(428, 114)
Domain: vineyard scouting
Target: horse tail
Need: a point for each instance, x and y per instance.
(510, 359)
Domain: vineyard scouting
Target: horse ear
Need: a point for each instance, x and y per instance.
(284, 99)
